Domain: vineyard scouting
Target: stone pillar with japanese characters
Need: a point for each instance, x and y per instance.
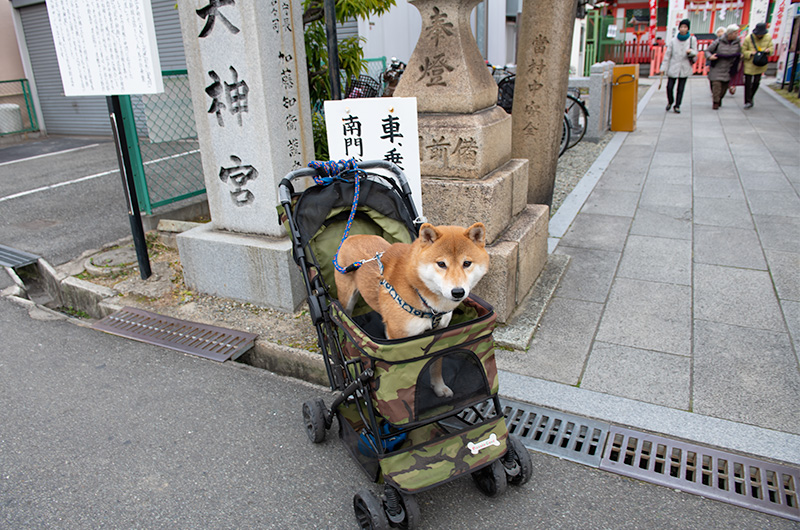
(247, 72)
(468, 173)
(545, 41)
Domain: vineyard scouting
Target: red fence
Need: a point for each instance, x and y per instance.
(700, 67)
(628, 53)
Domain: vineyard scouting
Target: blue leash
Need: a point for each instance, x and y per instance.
(333, 170)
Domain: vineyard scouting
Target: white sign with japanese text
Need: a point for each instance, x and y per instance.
(105, 48)
(377, 129)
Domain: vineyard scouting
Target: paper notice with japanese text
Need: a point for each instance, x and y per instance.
(377, 129)
(105, 48)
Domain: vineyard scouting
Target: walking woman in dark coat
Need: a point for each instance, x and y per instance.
(723, 55)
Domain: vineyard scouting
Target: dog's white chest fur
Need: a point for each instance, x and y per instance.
(417, 325)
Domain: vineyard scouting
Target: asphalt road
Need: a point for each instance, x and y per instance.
(99, 431)
(60, 197)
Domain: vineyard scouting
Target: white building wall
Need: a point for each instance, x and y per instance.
(578, 40)
(496, 35)
(394, 34)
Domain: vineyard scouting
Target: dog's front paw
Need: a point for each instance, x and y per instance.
(442, 390)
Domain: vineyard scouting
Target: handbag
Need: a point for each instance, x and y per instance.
(737, 75)
(760, 58)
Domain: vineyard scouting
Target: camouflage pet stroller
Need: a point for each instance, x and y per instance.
(398, 430)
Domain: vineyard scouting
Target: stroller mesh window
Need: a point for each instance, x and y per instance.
(462, 372)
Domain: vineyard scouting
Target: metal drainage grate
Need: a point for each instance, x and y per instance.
(13, 258)
(756, 484)
(211, 342)
(556, 433)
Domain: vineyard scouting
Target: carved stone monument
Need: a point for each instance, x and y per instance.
(247, 72)
(540, 90)
(468, 174)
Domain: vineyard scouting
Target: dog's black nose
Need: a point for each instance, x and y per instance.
(458, 293)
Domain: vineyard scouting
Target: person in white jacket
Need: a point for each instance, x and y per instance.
(678, 59)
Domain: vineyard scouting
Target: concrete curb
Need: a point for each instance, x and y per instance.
(519, 332)
(285, 360)
(780, 99)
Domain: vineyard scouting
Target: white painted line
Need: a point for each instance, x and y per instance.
(57, 185)
(172, 156)
(83, 179)
(48, 154)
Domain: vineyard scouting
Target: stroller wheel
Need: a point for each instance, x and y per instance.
(369, 511)
(491, 480)
(520, 469)
(409, 516)
(314, 418)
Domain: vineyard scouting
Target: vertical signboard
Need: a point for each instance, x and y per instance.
(676, 11)
(651, 34)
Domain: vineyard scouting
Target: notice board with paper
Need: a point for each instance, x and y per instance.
(105, 48)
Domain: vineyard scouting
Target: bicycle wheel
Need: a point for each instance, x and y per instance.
(505, 93)
(579, 118)
(565, 134)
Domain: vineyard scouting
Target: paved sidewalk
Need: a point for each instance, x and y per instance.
(680, 308)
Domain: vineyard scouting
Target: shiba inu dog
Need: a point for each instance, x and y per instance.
(415, 287)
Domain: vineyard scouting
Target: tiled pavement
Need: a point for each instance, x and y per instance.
(683, 288)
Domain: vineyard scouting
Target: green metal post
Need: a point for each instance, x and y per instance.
(26, 92)
(129, 124)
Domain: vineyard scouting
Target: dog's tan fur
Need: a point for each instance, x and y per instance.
(442, 266)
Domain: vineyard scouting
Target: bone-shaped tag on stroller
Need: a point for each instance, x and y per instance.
(475, 448)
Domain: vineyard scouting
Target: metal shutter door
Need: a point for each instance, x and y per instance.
(87, 115)
(168, 35)
(348, 28)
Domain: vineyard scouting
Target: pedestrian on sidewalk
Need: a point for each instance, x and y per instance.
(757, 41)
(723, 56)
(680, 55)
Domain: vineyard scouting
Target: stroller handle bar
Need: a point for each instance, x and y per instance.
(285, 187)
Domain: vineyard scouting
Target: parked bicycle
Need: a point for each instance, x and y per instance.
(499, 72)
(391, 76)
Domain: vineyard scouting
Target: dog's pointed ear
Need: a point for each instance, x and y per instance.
(428, 233)
(477, 234)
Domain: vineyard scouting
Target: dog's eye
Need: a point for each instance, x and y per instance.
(441, 264)
(467, 264)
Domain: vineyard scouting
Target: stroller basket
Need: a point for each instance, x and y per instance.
(401, 384)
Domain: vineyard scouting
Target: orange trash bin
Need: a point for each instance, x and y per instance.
(624, 97)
